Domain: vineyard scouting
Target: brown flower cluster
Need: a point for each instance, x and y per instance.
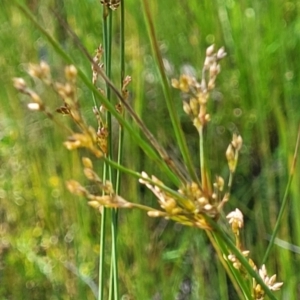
(87, 137)
(112, 4)
(107, 199)
(190, 205)
(198, 92)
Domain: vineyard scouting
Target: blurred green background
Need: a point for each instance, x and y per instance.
(49, 239)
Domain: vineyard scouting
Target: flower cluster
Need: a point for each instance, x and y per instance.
(198, 92)
(87, 137)
(112, 4)
(108, 197)
(236, 220)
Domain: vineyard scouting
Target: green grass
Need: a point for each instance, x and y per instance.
(44, 228)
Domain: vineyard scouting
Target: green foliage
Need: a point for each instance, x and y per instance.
(49, 239)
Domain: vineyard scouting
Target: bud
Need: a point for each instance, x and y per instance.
(220, 183)
(35, 97)
(230, 153)
(33, 106)
(156, 213)
(87, 163)
(70, 73)
(221, 53)
(45, 70)
(237, 142)
(186, 108)
(210, 50)
(175, 83)
(194, 105)
(19, 84)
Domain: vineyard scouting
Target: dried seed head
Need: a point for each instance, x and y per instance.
(45, 69)
(230, 155)
(221, 53)
(175, 83)
(91, 175)
(34, 106)
(236, 219)
(207, 118)
(259, 293)
(186, 108)
(71, 73)
(169, 205)
(214, 70)
(126, 81)
(156, 213)
(87, 163)
(76, 188)
(237, 142)
(210, 50)
(194, 106)
(35, 97)
(202, 201)
(219, 183)
(112, 4)
(94, 204)
(19, 84)
(102, 109)
(41, 71)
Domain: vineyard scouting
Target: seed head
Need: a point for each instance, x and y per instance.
(71, 73)
(236, 219)
(19, 84)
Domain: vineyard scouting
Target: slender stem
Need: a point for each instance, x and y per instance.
(107, 34)
(220, 252)
(180, 138)
(105, 169)
(102, 245)
(284, 201)
(202, 162)
(238, 282)
(122, 40)
(119, 158)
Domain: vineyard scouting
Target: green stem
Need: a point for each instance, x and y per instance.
(105, 169)
(102, 245)
(284, 201)
(180, 138)
(201, 153)
(107, 35)
(238, 282)
(221, 252)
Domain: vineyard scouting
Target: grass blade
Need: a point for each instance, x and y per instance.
(180, 138)
(284, 201)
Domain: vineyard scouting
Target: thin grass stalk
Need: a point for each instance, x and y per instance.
(102, 246)
(180, 138)
(122, 76)
(104, 178)
(107, 35)
(202, 162)
(284, 201)
(217, 248)
(122, 40)
(223, 286)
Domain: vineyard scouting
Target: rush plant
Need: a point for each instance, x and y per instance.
(188, 194)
